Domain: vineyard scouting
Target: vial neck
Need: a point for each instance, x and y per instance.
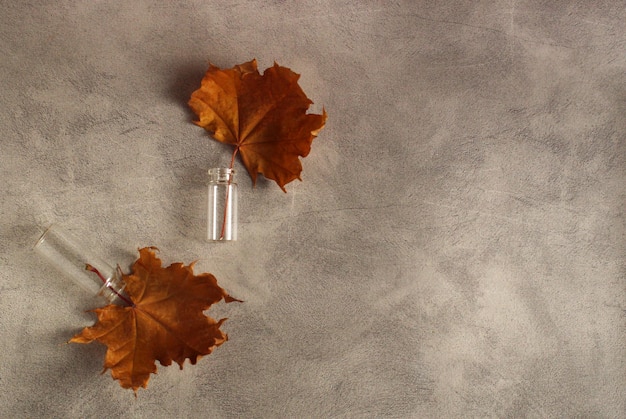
(112, 290)
(221, 175)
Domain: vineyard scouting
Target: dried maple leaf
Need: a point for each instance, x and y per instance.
(165, 322)
(263, 116)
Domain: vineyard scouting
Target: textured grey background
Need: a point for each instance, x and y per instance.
(455, 249)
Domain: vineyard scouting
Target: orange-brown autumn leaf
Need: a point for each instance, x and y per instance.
(165, 322)
(263, 116)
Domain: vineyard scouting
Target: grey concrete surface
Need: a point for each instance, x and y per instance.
(456, 246)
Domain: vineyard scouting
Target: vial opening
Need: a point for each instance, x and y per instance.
(221, 174)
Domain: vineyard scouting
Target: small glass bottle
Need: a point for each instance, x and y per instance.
(222, 210)
(76, 261)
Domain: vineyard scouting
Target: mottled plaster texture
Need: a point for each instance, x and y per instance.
(456, 247)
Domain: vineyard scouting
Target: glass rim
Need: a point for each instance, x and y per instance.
(221, 170)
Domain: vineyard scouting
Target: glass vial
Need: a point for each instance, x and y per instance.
(222, 211)
(78, 263)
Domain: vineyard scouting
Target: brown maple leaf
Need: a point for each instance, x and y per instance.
(263, 116)
(165, 322)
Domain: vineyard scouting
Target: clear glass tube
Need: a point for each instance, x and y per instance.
(80, 264)
(222, 211)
